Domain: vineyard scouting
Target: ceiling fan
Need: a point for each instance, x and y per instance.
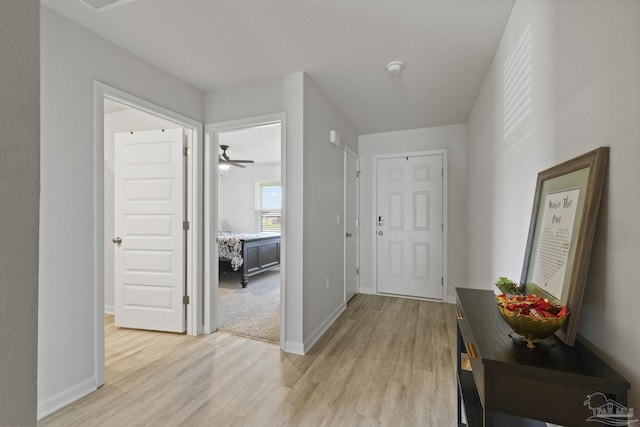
(225, 160)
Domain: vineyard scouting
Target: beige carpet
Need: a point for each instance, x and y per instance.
(253, 311)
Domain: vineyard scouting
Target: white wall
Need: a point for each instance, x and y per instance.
(313, 194)
(323, 204)
(283, 94)
(71, 233)
(585, 94)
(237, 196)
(19, 193)
(451, 138)
(119, 121)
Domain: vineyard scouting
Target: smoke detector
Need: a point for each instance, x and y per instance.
(394, 67)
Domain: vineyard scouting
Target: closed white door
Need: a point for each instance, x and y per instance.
(149, 247)
(351, 272)
(409, 226)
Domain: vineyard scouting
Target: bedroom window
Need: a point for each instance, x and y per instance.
(269, 206)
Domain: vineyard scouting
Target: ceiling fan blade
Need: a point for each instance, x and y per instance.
(230, 161)
(224, 158)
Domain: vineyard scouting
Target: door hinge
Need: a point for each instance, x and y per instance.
(357, 271)
(186, 151)
(185, 225)
(442, 281)
(442, 226)
(357, 174)
(185, 299)
(442, 173)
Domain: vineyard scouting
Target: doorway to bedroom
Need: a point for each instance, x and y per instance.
(249, 228)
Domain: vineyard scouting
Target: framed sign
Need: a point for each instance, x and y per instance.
(563, 224)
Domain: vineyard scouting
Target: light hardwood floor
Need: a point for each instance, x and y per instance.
(385, 362)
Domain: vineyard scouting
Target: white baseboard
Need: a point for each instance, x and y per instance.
(294, 347)
(323, 327)
(370, 291)
(109, 309)
(65, 397)
(365, 290)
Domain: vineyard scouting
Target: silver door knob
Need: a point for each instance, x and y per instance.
(380, 233)
(117, 240)
(349, 234)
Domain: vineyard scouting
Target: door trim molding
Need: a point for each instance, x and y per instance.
(194, 195)
(210, 224)
(349, 152)
(445, 215)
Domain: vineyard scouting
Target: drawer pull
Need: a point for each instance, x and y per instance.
(470, 350)
(459, 315)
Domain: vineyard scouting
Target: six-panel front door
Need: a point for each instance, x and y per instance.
(149, 245)
(409, 226)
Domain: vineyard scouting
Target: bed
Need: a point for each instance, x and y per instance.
(250, 254)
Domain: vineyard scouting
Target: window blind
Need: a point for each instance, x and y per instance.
(268, 206)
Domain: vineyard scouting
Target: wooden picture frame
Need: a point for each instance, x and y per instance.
(563, 224)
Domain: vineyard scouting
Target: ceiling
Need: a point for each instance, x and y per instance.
(260, 143)
(343, 45)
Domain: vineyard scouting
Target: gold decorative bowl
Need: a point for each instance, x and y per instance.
(532, 329)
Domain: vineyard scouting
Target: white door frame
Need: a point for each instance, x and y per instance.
(348, 151)
(445, 216)
(194, 309)
(210, 224)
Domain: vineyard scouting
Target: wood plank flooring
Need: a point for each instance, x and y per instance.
(385, 362)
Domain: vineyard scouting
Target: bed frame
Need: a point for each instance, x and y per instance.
(259, 254)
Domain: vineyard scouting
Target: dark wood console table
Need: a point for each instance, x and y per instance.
(507, 384)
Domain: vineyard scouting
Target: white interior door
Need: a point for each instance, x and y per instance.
(351, 224)
(409, 226)
(149, 247)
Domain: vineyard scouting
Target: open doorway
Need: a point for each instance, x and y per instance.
(144, 210)
(249, 227)
(246, 220)
(117, 111)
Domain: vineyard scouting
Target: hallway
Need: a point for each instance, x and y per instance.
(385, 362)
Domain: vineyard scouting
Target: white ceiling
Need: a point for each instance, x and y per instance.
(260, 144)
(343, 45)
